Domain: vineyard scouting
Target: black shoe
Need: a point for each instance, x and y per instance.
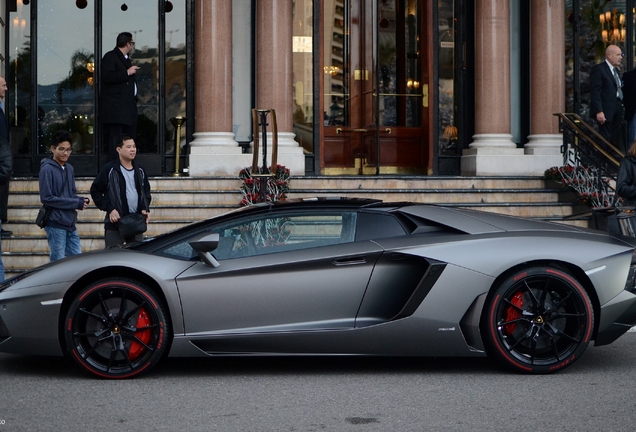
(4, 233)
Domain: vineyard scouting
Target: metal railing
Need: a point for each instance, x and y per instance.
(583, 146)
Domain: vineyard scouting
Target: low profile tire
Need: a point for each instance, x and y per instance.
(539, 320)
(116, 328)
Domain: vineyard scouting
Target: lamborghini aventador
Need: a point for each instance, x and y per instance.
(331, 277)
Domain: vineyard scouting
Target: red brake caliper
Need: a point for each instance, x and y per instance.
(136, 349)
(512, 313)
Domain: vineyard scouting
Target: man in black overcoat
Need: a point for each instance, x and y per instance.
(118, 93)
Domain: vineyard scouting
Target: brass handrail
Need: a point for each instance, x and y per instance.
(593, 141)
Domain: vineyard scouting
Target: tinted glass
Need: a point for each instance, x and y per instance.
(18, 98)
(376, 226)
(175, 72)
(303, 72)
(274, 234)
(141, 19)
(65, 56)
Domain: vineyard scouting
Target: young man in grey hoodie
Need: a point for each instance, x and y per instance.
(57, 191)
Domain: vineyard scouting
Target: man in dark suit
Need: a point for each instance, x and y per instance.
(606, 104)
(4, 188)
(118, 94)
(629, 99)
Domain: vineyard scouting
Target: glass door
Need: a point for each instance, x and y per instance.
(53, 74)
(376, 87)
(140, 18)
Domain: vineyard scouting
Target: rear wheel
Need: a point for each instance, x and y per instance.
(538, 320)
(116, 328)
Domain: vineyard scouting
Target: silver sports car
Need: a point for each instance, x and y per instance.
(331, 276)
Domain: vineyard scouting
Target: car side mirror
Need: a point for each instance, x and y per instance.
(205, 244)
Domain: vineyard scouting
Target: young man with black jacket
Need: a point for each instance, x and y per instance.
(121, 188)
(57, 191)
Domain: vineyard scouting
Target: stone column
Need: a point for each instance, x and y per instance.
(214, 152)
(492, 149)
(547, 71)
(274, 84)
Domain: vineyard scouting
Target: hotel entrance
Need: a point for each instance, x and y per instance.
(376, 87)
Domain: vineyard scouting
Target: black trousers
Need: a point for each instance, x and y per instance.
(4, 202)
(614, 130)
(114, 131)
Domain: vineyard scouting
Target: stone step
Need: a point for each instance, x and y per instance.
(21, 185)
(171, 213)
(437, 196)
(28, 230)
(232, 198)
(185, 197)
(405, 183)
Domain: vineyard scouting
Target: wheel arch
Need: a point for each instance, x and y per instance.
(571, 269)
(105, 273)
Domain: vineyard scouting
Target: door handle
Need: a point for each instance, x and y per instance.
(349, 261)
(425, 95)
(341, 130)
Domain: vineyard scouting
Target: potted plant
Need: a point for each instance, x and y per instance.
(591, 189)
(277, 185)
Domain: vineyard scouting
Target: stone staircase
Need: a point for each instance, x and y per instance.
(180, 200)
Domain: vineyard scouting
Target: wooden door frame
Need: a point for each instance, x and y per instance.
(428, 79)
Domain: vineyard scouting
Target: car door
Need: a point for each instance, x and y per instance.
(293, 273)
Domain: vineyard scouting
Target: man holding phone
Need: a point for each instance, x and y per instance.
(118, 94)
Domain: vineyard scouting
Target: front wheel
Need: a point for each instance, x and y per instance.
(116, 328)
(539, 320)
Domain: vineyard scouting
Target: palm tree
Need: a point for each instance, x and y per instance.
(80, 76)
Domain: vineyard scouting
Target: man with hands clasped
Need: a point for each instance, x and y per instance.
(606, 96)
(121, 188)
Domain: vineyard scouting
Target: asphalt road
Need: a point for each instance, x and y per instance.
(598, 393)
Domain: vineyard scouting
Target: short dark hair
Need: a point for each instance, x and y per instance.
(123, 38)
(120, 143)
(60, 137)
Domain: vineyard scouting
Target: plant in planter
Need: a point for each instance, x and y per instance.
(589, 186)
(277, 185)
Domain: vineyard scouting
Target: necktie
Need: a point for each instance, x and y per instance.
(618, 84)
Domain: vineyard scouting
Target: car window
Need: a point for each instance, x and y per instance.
(274, 234)
(377, 226)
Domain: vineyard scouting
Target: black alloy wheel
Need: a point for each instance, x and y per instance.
(539, 320)
(116, 328)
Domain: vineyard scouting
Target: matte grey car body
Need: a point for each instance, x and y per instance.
(326, 276)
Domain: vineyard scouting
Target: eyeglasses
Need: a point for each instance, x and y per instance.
(64, 150)
(132, 43)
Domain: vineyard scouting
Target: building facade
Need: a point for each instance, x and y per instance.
(413, 87)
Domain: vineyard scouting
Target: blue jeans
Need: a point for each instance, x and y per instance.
(62, 243)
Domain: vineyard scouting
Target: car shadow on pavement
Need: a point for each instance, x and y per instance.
(286, 365)
(616, 356)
